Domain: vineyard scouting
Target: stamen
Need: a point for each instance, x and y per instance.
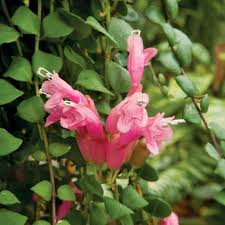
(141, 102)
(44, 93)
(68, 103)
(136, 32)
(176, 122)
(44, 73)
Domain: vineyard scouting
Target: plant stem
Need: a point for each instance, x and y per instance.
(6, 12)
(51, 8)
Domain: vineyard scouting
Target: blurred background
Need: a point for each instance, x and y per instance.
(187, 177)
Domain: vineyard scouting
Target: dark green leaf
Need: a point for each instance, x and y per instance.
(186, 85)
(8, 34)
(43, 189)
(155, 14)
(116, 74)
(115, 209)
(91, 80)
(212, 151)
(127, 220)
(19, 69)
(191, 114)
(103, 107)
(158, 207)
(41, 222)
(97, 26)
(54, 26)
(169, 62)
(218, 130)
(11, 218)
(31, 109)
(98, 215)
(58, 149)
(120, 30)
(8, 92)
(204, 103)
(65, 193)
(132, 199)
(220, 197)
(8, 198)
(75, 217)
(9, 143)
(25, 19)
(148, 173)
(171, 8)
(46, 60)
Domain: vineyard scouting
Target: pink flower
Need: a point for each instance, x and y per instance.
(138, 58)
(64, 209)
(157, 131)
(170, 220)
(128, 114)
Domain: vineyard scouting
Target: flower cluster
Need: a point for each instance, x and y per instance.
(125, 125)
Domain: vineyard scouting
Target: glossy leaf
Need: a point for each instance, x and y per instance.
(26, 20)
(39, 155)
(148, 173)
(8, 198)
(8, 92)
(58, 149)
(31, 109)
(19, 69)
(65, 193)
(8, 34)
(8, 217)
(62, 222)
(9, 143)
(43, 189)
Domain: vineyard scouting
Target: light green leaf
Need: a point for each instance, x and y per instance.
(31, 109)
(116, 74)
(91, 80)
(97, 26)
(212, 151)
(132, 199)
(169, 32)
(9, 143)
(155, 14)
(19, 69)
(8, 217)
(25, 19)
(58, 149)
(220, 197)
(63, 222)
(65, 193)
(43, 189)
(8, 198)
(220, 169)
(191, 114)
(8, 34)
(39, 155)
(120, 30)
(8, 92)
(98, 215)
(201, 53)
(54, 26)
(48, 61)
(115, 209)
(218, 130)
(204, 103)
(171, 8)
(41, 222)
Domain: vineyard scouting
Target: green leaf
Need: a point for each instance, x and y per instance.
(191, 114)
(132, 199)
(186, 85)
(169, 62)
(65, 193)
(31, 109)
(63, 222)
(97, 26)
(162, 79)
(19, 69)
(148, 173)
(183, 48)
(8, 92)
(39, 155)
(9, 143)
(25, 19)
(74, 57)
(218, 130)
(158, 207)
(8, 198)
(8, 34)
(43, 189)
(98, 215)
(155, 14)
(220, 197)
(58, 149)
(116, 74)
(169, 32)
(220, 169)
(41, 222)
(103, 107)
(171, 8)
(127, 220)
(90, 184)
(120, 30)
(212, 151)
(48, 61)
(54, 26)
(201, 53)
(223, 146)
(91, 80)
(82, 30)
(115, 209)
(204, 103)
(75, 217)
(8, 217)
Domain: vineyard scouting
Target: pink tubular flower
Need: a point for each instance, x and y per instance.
(63, 209)
(137, 59)
(170, 220)
(128, 114)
